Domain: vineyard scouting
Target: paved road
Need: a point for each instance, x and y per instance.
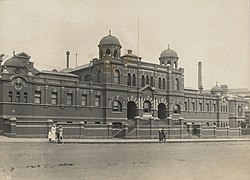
(213, 160)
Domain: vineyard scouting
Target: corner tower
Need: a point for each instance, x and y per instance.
(109, 46)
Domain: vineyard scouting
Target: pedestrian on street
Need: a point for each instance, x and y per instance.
(160, 135)
(49, 135)
(163, 133)
(60, 134)
(53, 133)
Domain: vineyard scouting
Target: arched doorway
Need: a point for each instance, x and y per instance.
(131, 110)
(162, 111)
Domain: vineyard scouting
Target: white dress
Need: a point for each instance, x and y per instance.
(53, 133)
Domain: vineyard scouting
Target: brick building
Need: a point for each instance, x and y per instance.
(112, 90)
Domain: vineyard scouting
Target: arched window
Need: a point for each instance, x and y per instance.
(193, 106)
(177, 84)
(108, 52)
(116, 77)
(169, 62)
(147, 80)
(134, 80)
(240, 113)
(99, 76)
(142, 80)
(159, 83)
(117, 106)
(177, 109)
(200, 107)
(186, 106)
(101, 54)
(131, 110)
(115, 53)
(207, 105)
(162, 111)
(147, 106)
(151, 81)
(129, 79)
(175, 64)
(246, 106)
(163, 83)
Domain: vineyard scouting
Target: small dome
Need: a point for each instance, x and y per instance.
(13, 62)
(169, 53)
(216, 89)
(110, 40)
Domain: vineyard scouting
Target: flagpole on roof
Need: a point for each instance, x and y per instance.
(138, 43)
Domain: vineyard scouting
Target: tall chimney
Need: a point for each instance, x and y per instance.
(67, 53)
(200, 87)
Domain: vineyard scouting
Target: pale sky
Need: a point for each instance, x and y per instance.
(216, 32)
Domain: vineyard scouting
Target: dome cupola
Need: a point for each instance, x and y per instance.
(169, 57)
(109, 46)
(109, 40)
(168, 53)
(19, 64)
(216, 90)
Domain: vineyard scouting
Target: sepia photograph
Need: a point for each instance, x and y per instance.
(124, 89)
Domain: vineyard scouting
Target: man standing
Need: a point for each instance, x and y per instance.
(60, 134)
(163, 134)
(160, 135)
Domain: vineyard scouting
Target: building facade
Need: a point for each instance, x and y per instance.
(113, 89)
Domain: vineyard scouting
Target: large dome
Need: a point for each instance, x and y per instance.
(169, 53)
(110, 40)
(13, 62)
(216, 89)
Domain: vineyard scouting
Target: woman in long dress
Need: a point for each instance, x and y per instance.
(53, 133)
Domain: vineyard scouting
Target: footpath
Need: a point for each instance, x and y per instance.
(4, 139)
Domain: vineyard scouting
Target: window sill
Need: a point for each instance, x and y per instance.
(116, 112)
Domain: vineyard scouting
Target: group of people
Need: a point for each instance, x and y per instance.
(162, 134)
(55, 134)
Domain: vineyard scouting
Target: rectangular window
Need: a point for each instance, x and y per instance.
(25, 95)
(18, 99)
(84, 100)
(97, 101)
(10, 96)
(54, 98)
(69, 99)
(38, 97)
